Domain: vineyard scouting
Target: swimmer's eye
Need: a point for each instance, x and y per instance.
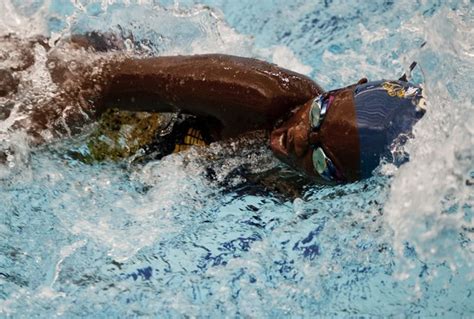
(315, 113)
(322, 164)
(318, 110)
(325, 167)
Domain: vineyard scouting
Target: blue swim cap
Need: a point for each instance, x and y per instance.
(384, 111)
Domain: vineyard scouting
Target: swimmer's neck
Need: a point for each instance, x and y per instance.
(241, 94)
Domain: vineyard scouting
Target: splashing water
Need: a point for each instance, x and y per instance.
(163, 238)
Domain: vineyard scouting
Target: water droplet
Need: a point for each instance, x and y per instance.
(72, 66)
(129, 46)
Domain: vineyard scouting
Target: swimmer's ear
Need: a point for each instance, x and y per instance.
(362, 81)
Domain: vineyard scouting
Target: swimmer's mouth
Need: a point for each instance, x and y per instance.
(278, 142)
(283, 139)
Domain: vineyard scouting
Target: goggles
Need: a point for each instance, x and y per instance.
(321, 163)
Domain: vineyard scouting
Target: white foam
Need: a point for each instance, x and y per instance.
(431, 194)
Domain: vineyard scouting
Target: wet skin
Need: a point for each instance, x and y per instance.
(235, 94)
(240, 95)
(294, 141)
(291, 141)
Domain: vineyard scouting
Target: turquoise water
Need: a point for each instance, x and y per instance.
(162, 239)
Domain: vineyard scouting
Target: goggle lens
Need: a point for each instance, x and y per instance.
(318, 110)
(315, 113)
(324, 166)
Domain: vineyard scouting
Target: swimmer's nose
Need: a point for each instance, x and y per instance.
(298, 140)
(313, 138)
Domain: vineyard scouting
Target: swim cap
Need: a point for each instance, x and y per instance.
(384, 111)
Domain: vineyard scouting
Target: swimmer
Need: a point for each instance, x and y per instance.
(332, 137)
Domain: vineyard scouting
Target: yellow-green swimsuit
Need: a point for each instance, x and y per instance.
(121, 134)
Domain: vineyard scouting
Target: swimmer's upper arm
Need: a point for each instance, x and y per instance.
(226, 87)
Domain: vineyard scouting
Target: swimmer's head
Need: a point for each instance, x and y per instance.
(341, 135)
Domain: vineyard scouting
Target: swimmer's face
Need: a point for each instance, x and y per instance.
(328, 153)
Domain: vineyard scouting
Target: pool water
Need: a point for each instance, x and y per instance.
(115, 239)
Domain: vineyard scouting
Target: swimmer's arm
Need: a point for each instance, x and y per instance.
(242, 93)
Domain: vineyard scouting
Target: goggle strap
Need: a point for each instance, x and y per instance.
(405, 75)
